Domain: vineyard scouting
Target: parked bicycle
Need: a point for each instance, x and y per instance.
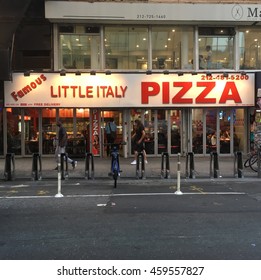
(115, 162)
(252, 160)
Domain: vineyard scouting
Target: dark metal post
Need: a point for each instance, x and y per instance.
(238, 165)
(165, 167)
(140, 166)
(190, 165)
(89, 166)
(214, 165)
(9, 172)
(37, 167)
(64, 172)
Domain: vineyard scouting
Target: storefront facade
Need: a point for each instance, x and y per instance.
(192, 83)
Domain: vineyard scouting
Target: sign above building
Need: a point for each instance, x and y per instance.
(136, 90)
(71, 11)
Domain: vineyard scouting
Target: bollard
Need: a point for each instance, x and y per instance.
(165, 170)
(238, 165)
(9, 173)
(59, 193)
(37, 167)
(89, 166)
(178, 191)
(190, 166)
(64, 172)
(140, 166)
(214, 165)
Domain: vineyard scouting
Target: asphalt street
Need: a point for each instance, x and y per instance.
(141, 219)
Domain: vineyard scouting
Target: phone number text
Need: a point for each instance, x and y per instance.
(149, 16)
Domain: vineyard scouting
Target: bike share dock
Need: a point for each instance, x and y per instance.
(37, 167)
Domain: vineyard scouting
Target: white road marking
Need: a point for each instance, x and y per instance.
(16, 186)
(121, 194)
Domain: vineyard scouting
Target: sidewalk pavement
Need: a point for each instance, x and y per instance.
(23, 168)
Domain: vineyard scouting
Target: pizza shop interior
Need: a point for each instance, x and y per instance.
(32, 130)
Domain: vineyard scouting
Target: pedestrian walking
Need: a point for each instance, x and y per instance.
(138, 139)
(61, 144)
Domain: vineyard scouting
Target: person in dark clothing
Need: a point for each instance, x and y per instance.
(138, 139)
(61, 144)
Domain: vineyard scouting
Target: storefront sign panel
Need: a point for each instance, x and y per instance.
(95, 131)
(129, 90)
(66, 11)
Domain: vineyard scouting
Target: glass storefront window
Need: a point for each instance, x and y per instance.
(79, 50)
(31, 124)
(238, 129)
(83, 128)
(225, 133)
(162, 131)
(175, 120)
(48, 130)
(216, 48)
(172, 47)
(117, 117)
(126, 47)
(197, 131)
(150, 131)
(211, 131)
(14, 130)
(250, 48)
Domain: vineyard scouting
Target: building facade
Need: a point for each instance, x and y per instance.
(190, 72)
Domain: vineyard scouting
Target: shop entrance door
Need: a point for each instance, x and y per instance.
(162, 127)
(117, 117)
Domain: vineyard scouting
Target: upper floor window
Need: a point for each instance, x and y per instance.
(79, 47)
(250, 47)
(126, 47)
(216, 48)
(172, 47)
